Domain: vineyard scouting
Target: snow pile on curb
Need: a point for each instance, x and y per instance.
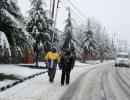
(18, 71)
(19, 81)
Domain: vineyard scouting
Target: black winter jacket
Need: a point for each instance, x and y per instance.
(67, 62)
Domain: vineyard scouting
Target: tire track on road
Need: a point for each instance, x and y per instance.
(123, 83)
(106, 84)
(125, 72)
(101, 88)
(70, 92)
(103, 93)
(76, 87)
(116, 88)
(98, 89)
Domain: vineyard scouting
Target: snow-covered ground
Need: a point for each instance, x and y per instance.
(77, 63)
(41, 64)
(6, 82)
(18, 71)
(39, 87)
(90, 62)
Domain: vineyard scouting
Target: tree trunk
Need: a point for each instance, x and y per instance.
(37, 53)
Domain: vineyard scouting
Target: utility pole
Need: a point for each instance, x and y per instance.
(0, 38)
(53, 9)
(114, 40)
(104, 28)
(56, 12)
(55, 20)
(125, 47)
(50, 15)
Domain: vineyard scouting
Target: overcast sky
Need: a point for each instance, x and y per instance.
(112, 14)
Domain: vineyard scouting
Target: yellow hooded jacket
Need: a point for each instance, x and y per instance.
(52, 59)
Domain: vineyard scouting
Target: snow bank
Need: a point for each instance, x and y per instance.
(6, 82)
(88, 62)
(41, 64)
(18, 71)
(79, 64)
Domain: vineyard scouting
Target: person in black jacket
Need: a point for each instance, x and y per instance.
(66, 65)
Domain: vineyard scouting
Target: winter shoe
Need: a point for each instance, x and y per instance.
(51, 82)
(62, 84)
(67, 83)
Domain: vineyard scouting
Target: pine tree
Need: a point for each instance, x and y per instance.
(10, 17)
(6, 54)
(68, 34)
(103, 44)
(11, 21)
(104, 47)
(89, 43)
(1, 54)
(38, 24)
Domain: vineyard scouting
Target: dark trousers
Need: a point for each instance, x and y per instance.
(51, 74)
(65, 76)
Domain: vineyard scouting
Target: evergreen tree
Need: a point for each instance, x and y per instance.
(103, 47)
(6, 54)
(38, 24)
(19, 56)
(10, 16)
(1, 54)
(79, 39)
(11, 24)
(68, 34)
(103, 44)
(89, 43)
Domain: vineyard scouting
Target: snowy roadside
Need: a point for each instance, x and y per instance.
(17, 71)
(90, 62)
(6, 82)
(77, 63)
(40, 65)
(39, 88)
(23, 72)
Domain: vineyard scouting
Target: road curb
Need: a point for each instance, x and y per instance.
(20, 81)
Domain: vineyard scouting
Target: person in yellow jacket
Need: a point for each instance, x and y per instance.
(52, 59)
